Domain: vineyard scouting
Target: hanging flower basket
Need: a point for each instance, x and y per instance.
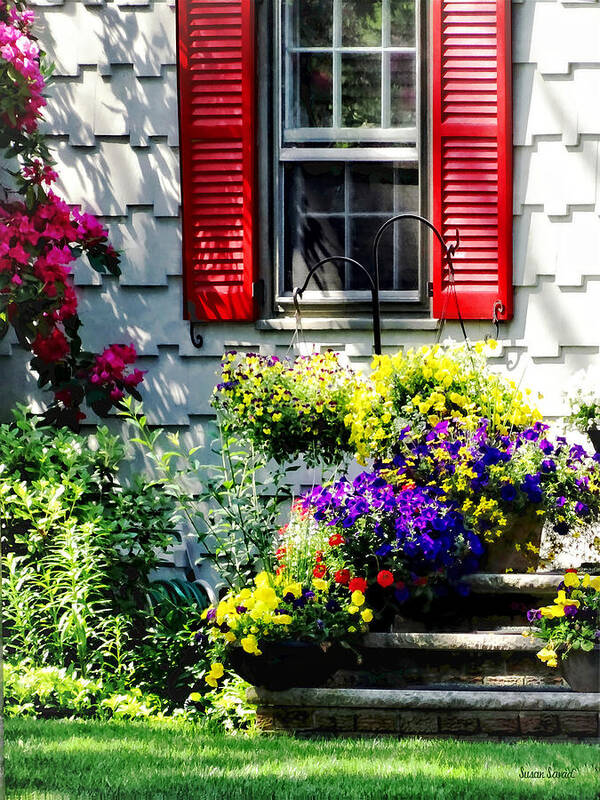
(284, 665)
(581, 670)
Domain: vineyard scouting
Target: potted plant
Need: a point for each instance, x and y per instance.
(570, 626)
(506, 487)
(280, 632)
(402, 545)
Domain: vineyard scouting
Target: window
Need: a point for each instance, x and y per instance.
(346, 151)
(348, 143)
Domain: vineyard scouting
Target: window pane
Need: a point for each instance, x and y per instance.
(335, 209)
(402, 90)
(312, 22)
(312, 96)
(312, 231)
(362, 233)
(372, 188)
(361, 90)
(402, 13)
(361, 23)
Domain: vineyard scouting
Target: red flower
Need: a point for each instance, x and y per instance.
(319, 571)
(342, 576)
(336, 539)
(385, 578)
(572, 569)
(51, 348)
(421, 581)
(357, 585)
(319, 556)
(280, 553)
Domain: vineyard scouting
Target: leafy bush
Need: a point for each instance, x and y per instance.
(78, 547)
(236, 508)
(58, 692)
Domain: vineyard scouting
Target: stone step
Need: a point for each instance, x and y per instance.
(538, 584)
(495, 600)
(396, 660)
(488, 640)
(479, 714)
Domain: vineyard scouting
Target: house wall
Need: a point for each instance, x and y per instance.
(112, 119)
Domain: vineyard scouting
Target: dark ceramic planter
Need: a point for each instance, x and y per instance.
(285, 665)
(581, 670)
(594, 435)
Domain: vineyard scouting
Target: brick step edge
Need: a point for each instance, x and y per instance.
(430, 699)
(314, 712)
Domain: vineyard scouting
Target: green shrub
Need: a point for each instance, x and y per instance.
(78, 548)
(58, 692)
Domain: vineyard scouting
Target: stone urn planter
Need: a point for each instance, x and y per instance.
(581, 670)
(285, 665)
(502, 554)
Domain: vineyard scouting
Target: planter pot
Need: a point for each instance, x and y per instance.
(581, 670)
(285, 665)
(594, 435)
(502, 555)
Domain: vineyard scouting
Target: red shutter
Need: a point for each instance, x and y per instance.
(216, 116)
(472, 149)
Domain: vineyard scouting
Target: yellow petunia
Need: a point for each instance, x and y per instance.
(357, 598)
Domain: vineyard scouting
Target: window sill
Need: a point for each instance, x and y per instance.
(347, 324)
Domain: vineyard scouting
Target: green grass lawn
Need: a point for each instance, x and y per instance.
(60, 760)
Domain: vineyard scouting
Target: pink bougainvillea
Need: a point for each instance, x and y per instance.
(41, 236)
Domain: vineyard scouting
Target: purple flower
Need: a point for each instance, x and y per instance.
(548, 465)
(211, 614)
(560, 501)
(570, 610)
(243, 609)
(577, 452)
(508, 492)
(533, 614)
(546, 446)
(581, 509)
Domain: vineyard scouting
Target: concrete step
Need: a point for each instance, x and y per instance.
(477, 714)
(494, 601)
(397, 660)
(537, 584)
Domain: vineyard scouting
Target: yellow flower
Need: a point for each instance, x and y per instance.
(352, 609)
(367, 615)
(321, 584)
(217, 670)
(210, 680)
(595, 583)
(250, 645)
(571, 579)
(357, 598)
(282, 619)
(293, 588)
(230, 637)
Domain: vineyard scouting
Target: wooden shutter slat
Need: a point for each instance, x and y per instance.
(472, 175)
(216, 91)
